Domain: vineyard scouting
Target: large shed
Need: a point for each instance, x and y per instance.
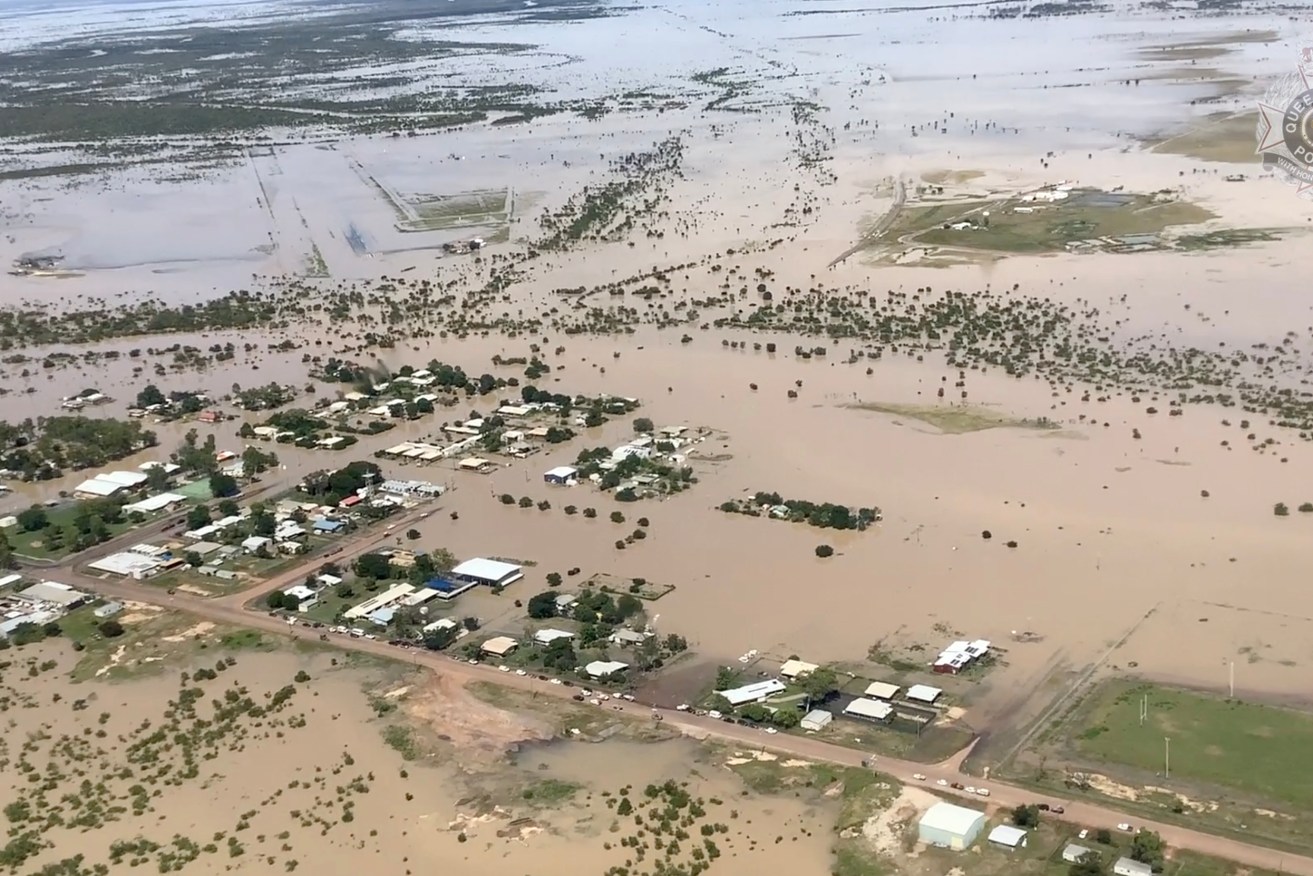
(870, 710)
(1131, 867)
(494, 573)
(1005, 836)
(817, 720)
(949, 826)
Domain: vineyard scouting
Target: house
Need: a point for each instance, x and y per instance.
(882, 690)
(1129, 867)
(562, 475)
(1073, 853)
(546, 637)
(869, 710)
(254, 543)
(949, 826)
(97, 488)
(395, 593)
(327, 580)
(923, 693)
(752, 693)
(493, 573)
(288, 531)
(268, 433)
(324, 526)
(129, 564)
(627, 638)
(1005, 836)
(476, 464)
(499, 646)
(605, 668)
(442, 623)
(210, 416)
(797, 668)
(170, 468)
(816, 720)
(331, 441)
(109, 609)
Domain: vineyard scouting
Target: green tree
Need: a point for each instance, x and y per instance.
(193, 559)
(617, 517)
(373, 565)
(819, 684)
(441, 637)
(256, 461)
(542, 605)
(824, 550)
(643, 424)
(227, 508)
(150, 395)
(198, 516)
(110, 629)
(157, 478)
(1147, 848)
(223, 485)
(1280, 509)
(274, 600)
(553, 579)
(32, 519)
(1024, 815)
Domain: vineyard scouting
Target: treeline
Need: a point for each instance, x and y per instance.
(823, 515)
(44, 448)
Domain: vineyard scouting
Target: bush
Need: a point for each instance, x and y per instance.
(526, 502)
(570, 509)
(617, 517)
(110, 629)
(642, 521)
(590, 513)
(824, 550)
(1306, 508)
(1280, 509)
(506, 499)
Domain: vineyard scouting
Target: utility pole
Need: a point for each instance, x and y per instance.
(1167, 757)
(1232, 679)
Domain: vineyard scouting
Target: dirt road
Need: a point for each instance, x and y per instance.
(229, 611)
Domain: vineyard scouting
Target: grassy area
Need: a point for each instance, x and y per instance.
(32, 544)
(931, 746)
(956, 419)
(401, 739)
(1225, 239)
(1245, 747)
(550, 792)
(1224, 137)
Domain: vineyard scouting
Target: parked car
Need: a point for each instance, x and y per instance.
(918, 776)
(982, 792)
(1124, 826)
(957, 786)
(1042, 807)
(1058, 810)
(714, 714)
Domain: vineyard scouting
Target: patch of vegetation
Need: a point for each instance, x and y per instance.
(825, 515)
(955, 419)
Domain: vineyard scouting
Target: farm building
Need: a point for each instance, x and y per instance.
(752, 693)
(605, 668)
(1005, 836)
(949, 826)
(882, 690)
(476, 464)
(109, 609)
(54, 592)
(1129, 867)
(923, 693)
(869, 710)
(796, 668)
(499, 646)
(493, 573)
(562, 475)
(546, 637)
(1073, 853)
(816, 720)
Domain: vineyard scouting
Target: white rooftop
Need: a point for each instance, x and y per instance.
(751, 693)
(923, 692)
(1007, 835)
(951, 819)
(548, 636)
(794, 668)
(486, 570)
(603, 668)
(882, 690)
(877, 710)
(155, 503)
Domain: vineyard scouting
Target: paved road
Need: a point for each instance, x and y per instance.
(229, 610)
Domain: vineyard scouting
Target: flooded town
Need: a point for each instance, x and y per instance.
(567, 437)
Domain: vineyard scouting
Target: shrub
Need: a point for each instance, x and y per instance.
(824, 550)
(506, 499)
(110, 629)
(1280, 509)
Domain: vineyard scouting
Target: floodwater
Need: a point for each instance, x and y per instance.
(1110, 528)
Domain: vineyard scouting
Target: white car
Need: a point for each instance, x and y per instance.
(771, 730)
(943, 783)
(714, 714)
(682, 707)
(919, 777)
(1084, 833)
(473, 662)
(1124, 826)
(628, 697)
(556, 681)
(520, 672)
(503, 668)
(969, 789)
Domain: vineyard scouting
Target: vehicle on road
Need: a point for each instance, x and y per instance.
(682, 707)
(943, 783)
(558, 681)
(520, 672)
(920, 777)
(969, 789)
(1042, 807)
(503, 668)
(578, 698)
(1124, 826)
(628, 697)
(1058, 810)
(957, 786)
(982, 792)
(1084, 833)
(714, 714)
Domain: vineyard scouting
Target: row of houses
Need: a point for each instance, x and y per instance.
(503, 646)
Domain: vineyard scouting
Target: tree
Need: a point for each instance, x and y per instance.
(150, 395)
(193, 559)
(590, 513)
(344, 590)
(32, 519)
(7, 560)
(1089, 864)
(819, 684)
(412, 534)
(643, 424)
(110, 629)
(440, 637)
(1147, 848)
(1103, 836)
(718, 703)
(198, 516)
(824, 550)
(542, 605)
(726, 678)
(256, 461)
(274, 600)
(675, 643)
(373, 565)
(470, 623)
(1280, 509)
(786, 719)
(223, 485)
(157, 478)
(1024, 815)
(553, 579)
(617, 517)
(228, 508)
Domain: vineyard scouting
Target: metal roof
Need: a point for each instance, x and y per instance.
(875, 709)
(1006, 835)
(882, 690)
(952, 819)
(603, 668)
(923, 692)
(752, 692)
(486, 570)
